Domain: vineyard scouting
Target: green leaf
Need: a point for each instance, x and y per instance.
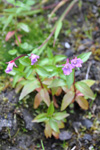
(40, 118)
(83, 103)
(40, 51)
(26, 46)
(50, 67)
(42, 72)
(70, 79)
(89, 82)
(54, 125)
(24, 27)
(9, 19)
(60, 115)
(30, 2)
(31, 12)
(50, 110)
(85, 89)
(53, 73)
(58, 28)
(43, 62)
(28, 88)
(11, 1)
(25, 61)
(12, 52)
(59, 58)
(56, 83)
(45, 96)
(85, 56)
(15, 79)
(67, 99)
(49, 53)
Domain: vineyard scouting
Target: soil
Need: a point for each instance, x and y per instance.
(82, 130)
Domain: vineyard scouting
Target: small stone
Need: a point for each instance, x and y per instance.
(98, 2)
(67, 45)
(94, 10)
(87, 42)
(65, 135)
(98, 20)
(87, 123)
(79, 20)
(27, 117)
(87, 137)
(69, 53)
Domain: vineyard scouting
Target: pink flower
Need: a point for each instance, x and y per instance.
(10, 66)
(76, 62)
(67, 68)
(33, 58)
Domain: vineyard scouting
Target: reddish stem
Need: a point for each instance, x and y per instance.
(74, 88)
(51, 34)
(39, 80)
(19, 57)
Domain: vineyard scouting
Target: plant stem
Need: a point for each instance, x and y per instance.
(19, 57)
(60, 19)
(58, 6)
(51, 34)
(74, 88)
(39, 80)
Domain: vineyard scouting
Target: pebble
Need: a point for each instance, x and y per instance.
(27, 117)
(94, 10)
(98, 21)
(87, 137)
(98, 2)
(87, 123)
(65, 135)
(69, 53)
(67, 45)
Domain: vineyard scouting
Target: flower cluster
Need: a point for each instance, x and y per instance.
(76, 62)
(67, 69)
(33, 58)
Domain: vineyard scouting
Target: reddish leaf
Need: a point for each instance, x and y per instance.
(67, 100)
(45, 96)
(37, 100)
(78, 93)
(48, 130)
(58, 92)
(9, 35)
(83, 103)
(55, 134)
(28, 88)
(65, 89)
(18, 88)
(47, 81)
(61, 125)
(38, 89)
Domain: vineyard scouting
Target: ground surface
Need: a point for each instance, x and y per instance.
(82, 130)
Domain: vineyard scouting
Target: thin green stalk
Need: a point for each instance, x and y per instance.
(60, 19)
(42, 145)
